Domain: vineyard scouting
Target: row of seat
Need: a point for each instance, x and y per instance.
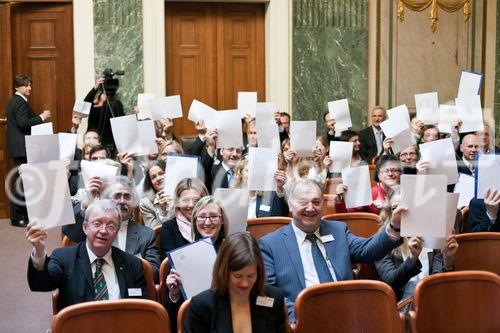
(465, 301)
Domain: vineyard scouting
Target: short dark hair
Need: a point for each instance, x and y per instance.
(325, 114)
(21, 80)
(98, 148)
(347, 135)
(95, 131)
(382, 161)
(285, 114)
(238, 251)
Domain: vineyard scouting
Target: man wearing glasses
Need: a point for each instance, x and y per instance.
(92, 270)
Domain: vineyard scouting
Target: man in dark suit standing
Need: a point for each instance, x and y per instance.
(309, 250)
(20, 118)
(372, 137)
(91, 270)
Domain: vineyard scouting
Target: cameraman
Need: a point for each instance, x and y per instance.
(105, 105)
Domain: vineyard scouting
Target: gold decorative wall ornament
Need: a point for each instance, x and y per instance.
(446, 5)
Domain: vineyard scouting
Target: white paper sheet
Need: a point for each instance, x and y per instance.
(194, 263)
(441, 154)
(247, 103)
(166, 107)
(177, 168)
(126, 134)
(451, 214)
(427, 107)
(67, 145)
(268, 136)
(399, 113)
(465, 187)
(235, 205)
(42, 129)
(264, 114)
(47, 194)
(447, 113)
(470, 112)
(144, 104)
(488, 171)
(357, 180)
(400, 132)
(229, 132)
(82, 108)
(90, 169)
(262, 165)
(425, 198)
(42, 148)
(147, 137)
(339, 110)
(303, 137)
(470, 84)
(341, 155)
(200, 111)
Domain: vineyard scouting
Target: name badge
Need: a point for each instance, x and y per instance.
(135, 292)
(327, 238)
(265, 208)
(265, 301)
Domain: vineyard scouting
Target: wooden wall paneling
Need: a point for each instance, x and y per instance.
(190, 32)
(240, 52)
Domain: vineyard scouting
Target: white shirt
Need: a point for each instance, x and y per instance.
(378, 139)
(468, 165)
(121, 239)
(23, 97)
(424, 261)
(310, 274)
(108, 269)
(252, 203)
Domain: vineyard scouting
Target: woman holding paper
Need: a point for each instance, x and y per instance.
(207, 221)
(155, 203)
(262, 204)
(177, 231)
(410, 262)
(353, 136)
(239, 300)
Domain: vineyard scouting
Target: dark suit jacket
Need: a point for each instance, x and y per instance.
(396, 272)
(368, 148)
(284, 268)
(20, 118)
(269, 204)
(170, 238)
(140, 240)
(68, 269)
(196, 148)
(479, 220)
(209, 312)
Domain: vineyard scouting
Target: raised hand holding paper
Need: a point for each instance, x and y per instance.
(470, 112)
(82, 108)
(470, 84)
(268, 136)
(264, 114)
(144, 104)
(447, 114)
(125, 133)
(427, 107)
(247, 103)
(357, 180)
(200, 111)
(42, 148)
(177, 168)
(486, 173)
(166, 107)
(451, 214)
(339, 110)
(400, 132)
(303, 137)
(229, 132)
(147, 137)
(441, 154)
(262, 165)
(341, 155)
(399, 113)
(235, 204)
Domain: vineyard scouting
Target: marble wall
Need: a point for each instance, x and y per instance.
(330, 58)
(118, 45)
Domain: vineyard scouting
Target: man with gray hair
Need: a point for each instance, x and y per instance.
(309, 250)
(91, 270)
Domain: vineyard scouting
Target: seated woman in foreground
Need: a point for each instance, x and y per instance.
(238, 301)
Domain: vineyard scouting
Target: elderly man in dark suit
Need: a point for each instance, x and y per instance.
(372, 137)
(20, 118)
(91, 270)
(309, 250)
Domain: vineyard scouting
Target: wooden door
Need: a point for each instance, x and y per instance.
(37, 40)
(42, 36)
(212, 52)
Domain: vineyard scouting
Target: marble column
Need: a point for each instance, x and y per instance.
(118, 45)
(330, 58)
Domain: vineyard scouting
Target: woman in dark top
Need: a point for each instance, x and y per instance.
(176, 232)
(238, 301)
(207, 220)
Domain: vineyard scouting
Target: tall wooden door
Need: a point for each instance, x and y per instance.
(212, 52)
(37, 40)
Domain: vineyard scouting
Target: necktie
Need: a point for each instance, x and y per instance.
(100, 288)
(324, 274)
(380, 142)
(229, 175)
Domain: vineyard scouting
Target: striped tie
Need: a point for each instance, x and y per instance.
(100, 288)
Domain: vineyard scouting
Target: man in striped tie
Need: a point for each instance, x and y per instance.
(91, 270)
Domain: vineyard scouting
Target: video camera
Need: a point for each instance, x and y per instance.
(111, 84)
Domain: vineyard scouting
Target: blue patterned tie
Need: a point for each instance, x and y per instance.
(324, 274)
(229, 175)
(100, 288)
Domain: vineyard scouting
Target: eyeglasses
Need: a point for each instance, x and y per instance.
(187, 201)
(125, 196)
(405, 155)
(110, 227)
(213, 218)
(388, 171)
